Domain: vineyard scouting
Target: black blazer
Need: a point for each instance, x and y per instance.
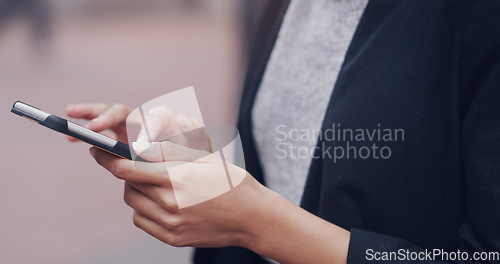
(432, 68)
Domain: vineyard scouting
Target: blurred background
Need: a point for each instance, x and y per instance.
(57, 205)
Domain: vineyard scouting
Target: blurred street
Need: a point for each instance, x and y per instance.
(58, 205)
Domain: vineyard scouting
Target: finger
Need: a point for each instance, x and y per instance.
(86, 111)
(156, 230)
(196, 123)
(184, 123)
(193, 134)
(71, 139)
(151, 173)
(150, 130)
(147, 207)
(157, 121)
(116, 115)
(163, 196)
(167, 151)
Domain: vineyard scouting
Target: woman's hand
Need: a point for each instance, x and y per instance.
(226, 220)
(102, 118)
(249, 215)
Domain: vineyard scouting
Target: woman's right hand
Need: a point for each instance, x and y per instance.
(102, 118)
(163, 123)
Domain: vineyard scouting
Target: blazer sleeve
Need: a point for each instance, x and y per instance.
(479, 85)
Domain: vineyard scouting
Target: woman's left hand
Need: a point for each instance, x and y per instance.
(249, 215)
(226, 220)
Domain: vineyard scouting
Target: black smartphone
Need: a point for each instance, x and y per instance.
(71, 129)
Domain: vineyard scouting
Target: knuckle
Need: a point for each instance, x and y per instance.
(164, 111)
(118, 170)
(168, 203)
(127, 197)
(119, 112)
(175, 240)
(172, 223)
(137, 220)
(118, 107)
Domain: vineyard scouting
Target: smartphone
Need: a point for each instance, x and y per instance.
(71, 129)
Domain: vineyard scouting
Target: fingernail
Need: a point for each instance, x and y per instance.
(185, 122)
(141, 147)
(70, 107)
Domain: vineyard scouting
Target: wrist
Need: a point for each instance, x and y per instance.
(280, 230)
(259, 218)
(267, 222)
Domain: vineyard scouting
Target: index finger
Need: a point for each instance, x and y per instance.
(113, 116)
(86, 111)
